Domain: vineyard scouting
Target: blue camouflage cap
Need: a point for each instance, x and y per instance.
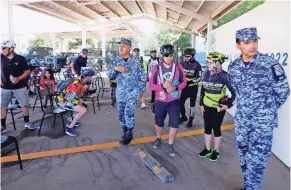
(247, 34)
(125, 41)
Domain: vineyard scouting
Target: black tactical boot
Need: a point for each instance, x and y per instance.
(122, 138)
(127, 137)
(183, 119)
(190, 123)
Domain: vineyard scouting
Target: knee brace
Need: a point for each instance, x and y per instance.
(192, 111)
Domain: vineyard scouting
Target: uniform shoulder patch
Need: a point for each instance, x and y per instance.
(278, 72)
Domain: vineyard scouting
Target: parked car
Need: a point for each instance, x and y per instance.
(61, 60)
(38, 53)
(70, 58)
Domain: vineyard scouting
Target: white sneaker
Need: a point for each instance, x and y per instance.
(29, 125)
(143, 106)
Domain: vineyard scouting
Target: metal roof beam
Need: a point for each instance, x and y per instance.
(47, 13)
(162, 22)
(200, 5)
(112, 22)
(181, 10)
(138, 6)
(123, 7)
(48, 10)
(114, 12)
(74, 11)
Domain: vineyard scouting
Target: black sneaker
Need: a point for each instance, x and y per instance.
(205, 153)
(157, 143)
(171, 150)
(3, 129)
(214, 156)
(183, 119)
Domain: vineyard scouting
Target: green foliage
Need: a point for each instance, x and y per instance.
(243, 8)
(77, 43)
(37, 42)
(168, 36)
(183, 40)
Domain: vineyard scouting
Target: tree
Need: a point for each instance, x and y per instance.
(37, 42)
(77, 43)
(243, 8)
(183, 40)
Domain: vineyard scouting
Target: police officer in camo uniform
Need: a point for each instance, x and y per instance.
(131, 79)
(261, 88)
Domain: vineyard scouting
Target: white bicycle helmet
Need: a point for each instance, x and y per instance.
(8, 44)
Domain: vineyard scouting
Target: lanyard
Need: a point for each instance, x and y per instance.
(172, 75)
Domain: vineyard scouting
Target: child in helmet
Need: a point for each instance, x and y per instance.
(213, 102)
(69, 99)
(35, 69)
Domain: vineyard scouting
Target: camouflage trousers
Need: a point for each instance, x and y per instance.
(254, 137)
(125, 109)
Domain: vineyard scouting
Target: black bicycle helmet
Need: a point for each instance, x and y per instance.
(167, 49)
(84, 50)
(189, 51)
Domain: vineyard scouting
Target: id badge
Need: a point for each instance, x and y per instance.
(162, 95)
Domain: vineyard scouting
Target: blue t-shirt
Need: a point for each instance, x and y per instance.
(78, 63)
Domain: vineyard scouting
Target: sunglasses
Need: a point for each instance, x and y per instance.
(168, 55)
(4, 48)
(188, 56)
(135, 51)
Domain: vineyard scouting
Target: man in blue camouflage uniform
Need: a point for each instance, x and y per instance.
(261, 87)
(131, 82)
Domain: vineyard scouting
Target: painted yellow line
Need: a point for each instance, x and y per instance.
(87, 148)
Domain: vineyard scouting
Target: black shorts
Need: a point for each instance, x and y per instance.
(164, 108)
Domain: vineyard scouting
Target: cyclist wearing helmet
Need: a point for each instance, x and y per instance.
(214, 102)
(79, 62)
(69, 98)
(34, 67)
(14, 71)
(192, 70)
(167, 79)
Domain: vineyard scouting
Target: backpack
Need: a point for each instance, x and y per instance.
(61, 86)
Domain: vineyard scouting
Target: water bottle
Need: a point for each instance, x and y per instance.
(11, 78)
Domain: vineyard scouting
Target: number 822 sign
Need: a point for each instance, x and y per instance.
(282, 58)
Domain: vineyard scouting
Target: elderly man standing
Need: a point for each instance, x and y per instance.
(261, 88)
(131, 79)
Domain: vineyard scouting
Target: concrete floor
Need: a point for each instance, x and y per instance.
(120, 168)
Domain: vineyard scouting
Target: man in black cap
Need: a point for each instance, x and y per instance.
(79, 62)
